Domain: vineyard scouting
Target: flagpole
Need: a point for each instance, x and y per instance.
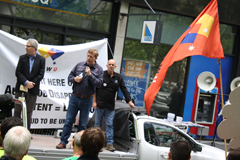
(220, 73)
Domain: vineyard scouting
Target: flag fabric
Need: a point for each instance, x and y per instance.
(201, 38)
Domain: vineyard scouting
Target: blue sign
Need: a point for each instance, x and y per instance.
(134, 74)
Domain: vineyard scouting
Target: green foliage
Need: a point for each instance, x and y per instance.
(227, 38)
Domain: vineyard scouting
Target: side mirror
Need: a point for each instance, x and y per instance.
(197, 148)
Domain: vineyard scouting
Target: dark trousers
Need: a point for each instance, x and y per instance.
(30, 103)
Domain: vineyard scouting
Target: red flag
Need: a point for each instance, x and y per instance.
(201, 38)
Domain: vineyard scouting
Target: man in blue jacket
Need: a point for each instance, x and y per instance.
(85, 76)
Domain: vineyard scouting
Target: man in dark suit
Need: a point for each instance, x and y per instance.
(29, 72)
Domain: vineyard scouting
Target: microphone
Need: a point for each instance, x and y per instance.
(6, 99)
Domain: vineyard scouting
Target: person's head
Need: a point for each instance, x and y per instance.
(92, 141)
(31, 47)
(111, 65)
(8, 123)
(16, 142)
(234, 154)
(180, 150)
(92, 56)
(77, 140)
(175, 89)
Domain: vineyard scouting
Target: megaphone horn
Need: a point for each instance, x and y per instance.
(206, 81)
(209, 80)
(235, 83)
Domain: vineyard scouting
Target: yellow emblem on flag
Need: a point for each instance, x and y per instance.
(44, 52)
(206, 21)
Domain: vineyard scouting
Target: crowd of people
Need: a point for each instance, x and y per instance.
(87, 144)
(92, 87)
(16, 141)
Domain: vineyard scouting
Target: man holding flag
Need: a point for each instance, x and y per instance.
(201, 38)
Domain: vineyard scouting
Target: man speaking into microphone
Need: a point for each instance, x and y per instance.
(85, 76)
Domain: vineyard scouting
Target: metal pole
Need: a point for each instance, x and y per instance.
(220, 73)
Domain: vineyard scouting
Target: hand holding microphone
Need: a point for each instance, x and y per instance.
(87, 70)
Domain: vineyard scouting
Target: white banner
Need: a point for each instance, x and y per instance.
(52, 103)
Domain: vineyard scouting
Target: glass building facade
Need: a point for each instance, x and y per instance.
(59, 22)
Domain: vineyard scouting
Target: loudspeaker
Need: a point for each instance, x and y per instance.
(206, 81)
(235, 83)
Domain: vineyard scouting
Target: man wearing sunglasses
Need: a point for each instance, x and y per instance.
(29, 72)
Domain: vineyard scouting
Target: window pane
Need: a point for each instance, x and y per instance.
(76, 40)
(173, 25)
(90, 14)
(149, 134)
(167, 135)
(152, 55)
(41, 37)
(135, 22)
(227, 38)
(131, 128)
(5, 28)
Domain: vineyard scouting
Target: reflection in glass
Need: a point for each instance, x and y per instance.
(41, 37)
(166, 135)
(94, 14)
(173, 25)
(227, 38)
(155, 54)
(76, 40)
(5, 28)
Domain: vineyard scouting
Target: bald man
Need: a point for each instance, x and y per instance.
(77, 150)
(104, 100)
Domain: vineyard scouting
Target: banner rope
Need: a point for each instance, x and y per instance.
(110, 48)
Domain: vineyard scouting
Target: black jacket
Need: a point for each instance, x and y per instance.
(4, 157)
(106, 94)
(37, 72)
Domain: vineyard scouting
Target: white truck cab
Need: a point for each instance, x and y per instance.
(154, 137)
